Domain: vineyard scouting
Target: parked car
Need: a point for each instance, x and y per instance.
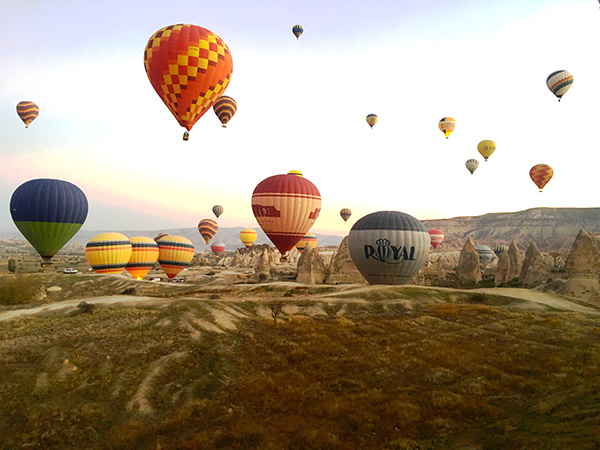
(70, 270)
(178, 280)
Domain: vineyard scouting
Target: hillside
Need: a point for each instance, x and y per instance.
(553, 229)
(204, 365)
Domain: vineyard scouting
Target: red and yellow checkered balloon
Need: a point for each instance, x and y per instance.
(189, 67)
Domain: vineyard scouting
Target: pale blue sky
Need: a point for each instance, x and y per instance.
(302, 105)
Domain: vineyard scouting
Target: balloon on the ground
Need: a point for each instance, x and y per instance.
(559, 82)
(160, 236)
(540, 175)
(485, 253)
(225, 108)
(48, 213)
(297, 30)
(499, 249)
(189, 67)
(248, 236)
(345, 214)
(472, 165)
(307, 239)
(174, 254)
(217, 210)
(27, 111)
(436, 237)
(218, 249)
(207, 228)
(447, 126)
(388, 247)
(372, 119)
(144, 254)
(486, 148)
(286, 207)
(108, 252)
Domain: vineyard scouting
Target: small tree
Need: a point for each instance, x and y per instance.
(12, 265)
(275, 310)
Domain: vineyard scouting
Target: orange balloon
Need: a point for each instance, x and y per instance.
(286, 207)
(541, 174)
(189, 67)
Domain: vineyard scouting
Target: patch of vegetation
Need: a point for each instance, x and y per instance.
(19, 289)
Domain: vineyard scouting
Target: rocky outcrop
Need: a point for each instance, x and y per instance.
(502, 269)
(468, 269)
(582, 267)
(262, 270)
(515, 258)
(342, 269)
(537, 267)
(311, 267)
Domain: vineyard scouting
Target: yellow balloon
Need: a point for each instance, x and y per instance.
(447, 125)
(144, 253)
(486, 148)
(108, 252)
(248, 236)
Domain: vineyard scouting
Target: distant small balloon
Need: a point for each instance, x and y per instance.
(447, 126)
(485, 253)
(307, 239)
(372, 119)
(27, 111)
(541, 174)
(559, 82)
(297, 30)
(217, 210)
(472, 165)
(225, 108)
(436, 237)
(218, 249)
(345, 214)
(248, 236)
(486, 148)
(207, 229)
(500, 248)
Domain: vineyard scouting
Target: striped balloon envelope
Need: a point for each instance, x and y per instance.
(217, 210)
(388, 247)
(189, 67)
(559, 82)
(108, 252)
(286, 207)
(144, 254)
(436, 237)
(225, 108)
(207, 229)
(307, 239)
(500, 248)
(218, 249)
(27, 111)
(48, 213)
(175, 254)
(485, 253)
(447, 126)
(472, 165)
(540, 174)
(248, 236)
(297, 30)
(345, 214)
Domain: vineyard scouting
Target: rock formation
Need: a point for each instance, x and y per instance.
(468, 270)
(502, 269)
(342, 268)
(515, 258)
(537, 267)
(311, 267)
(582, 267)
(262, 270)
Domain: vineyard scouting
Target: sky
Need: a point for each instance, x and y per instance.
(302, 105)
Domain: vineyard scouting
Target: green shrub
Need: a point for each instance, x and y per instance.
(18, 290)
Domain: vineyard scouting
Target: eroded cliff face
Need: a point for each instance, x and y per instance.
(553, 229)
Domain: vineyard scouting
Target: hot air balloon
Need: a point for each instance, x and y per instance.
(218, 249)
(388, 247)
(108, 252)
(207, 228)
(486, 254)
(372, 119)
(486, 148)
(248, 236)
(217, 210)
(307, 239)
(286, 207)
(436, 237)
(174, 254)
(27, 111)
(345, 214)
(297, 30)
(144, 254)
(48, 213)
(189, 67)
(499, 249)
(559, 82)
(472, 165)
(541, 174)
(160, 236)
(447, 125)
(225, 108)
